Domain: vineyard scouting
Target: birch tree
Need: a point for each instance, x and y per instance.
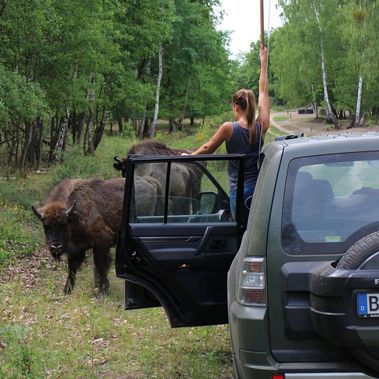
(153, 125)
(360, 16)
(329, 113)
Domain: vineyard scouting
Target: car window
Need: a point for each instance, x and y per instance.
(329, 202)
(175, 192)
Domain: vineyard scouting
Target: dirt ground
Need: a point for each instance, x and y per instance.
(292, 123)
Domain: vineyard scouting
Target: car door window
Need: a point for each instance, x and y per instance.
(176, 192)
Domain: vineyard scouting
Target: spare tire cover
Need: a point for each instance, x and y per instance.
(355, 258)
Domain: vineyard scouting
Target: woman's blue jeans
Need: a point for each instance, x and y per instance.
(247, 197)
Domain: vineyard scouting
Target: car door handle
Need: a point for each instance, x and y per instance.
(204, 241)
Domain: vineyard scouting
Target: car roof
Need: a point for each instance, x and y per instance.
(329, 144)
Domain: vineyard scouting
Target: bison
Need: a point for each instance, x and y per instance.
(151, 147)
(79, 215)
(185, 178)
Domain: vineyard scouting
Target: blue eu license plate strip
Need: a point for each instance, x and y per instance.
(368, 304)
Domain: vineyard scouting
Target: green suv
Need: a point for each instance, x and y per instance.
(299, 284)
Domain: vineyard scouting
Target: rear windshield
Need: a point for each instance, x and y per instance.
(330, 202)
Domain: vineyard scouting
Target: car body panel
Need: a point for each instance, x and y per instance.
(268, 353)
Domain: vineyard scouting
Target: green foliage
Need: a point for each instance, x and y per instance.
(18, 235)
(196, 79)
(348, 37)
(19, 99)
(76, 165)
(84, 60)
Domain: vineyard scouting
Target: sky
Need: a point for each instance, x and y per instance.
(242, 18)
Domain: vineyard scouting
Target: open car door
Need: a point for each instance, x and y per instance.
(179, 235)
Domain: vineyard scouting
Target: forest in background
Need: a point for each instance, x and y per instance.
(69, 70)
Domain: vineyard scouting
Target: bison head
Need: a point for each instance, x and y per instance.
(56, 219)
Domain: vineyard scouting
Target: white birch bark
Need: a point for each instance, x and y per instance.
(57, 154)
(157, 94)
(314, 101)
(89, 135)
(359, 102)
(329, 113)
(88, 141)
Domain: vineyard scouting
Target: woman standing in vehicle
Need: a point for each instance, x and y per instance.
(245, 135)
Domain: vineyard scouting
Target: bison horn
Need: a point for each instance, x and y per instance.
(70, 210)
(37, 213)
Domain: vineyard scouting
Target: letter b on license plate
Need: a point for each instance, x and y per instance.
(368, 304)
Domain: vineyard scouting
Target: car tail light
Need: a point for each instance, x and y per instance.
(277, 376)
(253, 282)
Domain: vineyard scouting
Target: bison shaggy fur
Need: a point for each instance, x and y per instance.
(185, 177)
(79, 215)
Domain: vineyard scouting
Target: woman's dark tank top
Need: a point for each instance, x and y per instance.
(239, 144)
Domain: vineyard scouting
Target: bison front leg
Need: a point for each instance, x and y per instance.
(74, 263)
(102, 260)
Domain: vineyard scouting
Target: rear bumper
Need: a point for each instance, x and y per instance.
(330, 375)
(252, 358)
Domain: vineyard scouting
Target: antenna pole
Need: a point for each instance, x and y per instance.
(262, 24)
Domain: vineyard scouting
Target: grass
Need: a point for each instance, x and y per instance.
(280, 118)
(44, 334)
(16, 236)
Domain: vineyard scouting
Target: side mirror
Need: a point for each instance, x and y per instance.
(208, 202)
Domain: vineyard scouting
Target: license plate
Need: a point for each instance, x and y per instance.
(368, 304)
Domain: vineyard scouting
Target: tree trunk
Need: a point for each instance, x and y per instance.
(157, 93)
(40, 135)
(59, 145)
(145, 73)
(27, 143)
(120, 125)
(79, 134)
(111, 127)
(89, 137)
(181, 122)
(88, 147)
(18, 144)
(359, 103)
(330, 117)
(99, 131)
(67, 128)
(141, 130)
(314, 102)
(171, 125)
(35, 149)
(53, 133)
(73, 125)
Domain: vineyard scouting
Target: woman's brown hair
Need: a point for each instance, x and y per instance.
(245, 99)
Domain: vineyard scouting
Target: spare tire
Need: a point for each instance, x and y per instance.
(356, 258)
